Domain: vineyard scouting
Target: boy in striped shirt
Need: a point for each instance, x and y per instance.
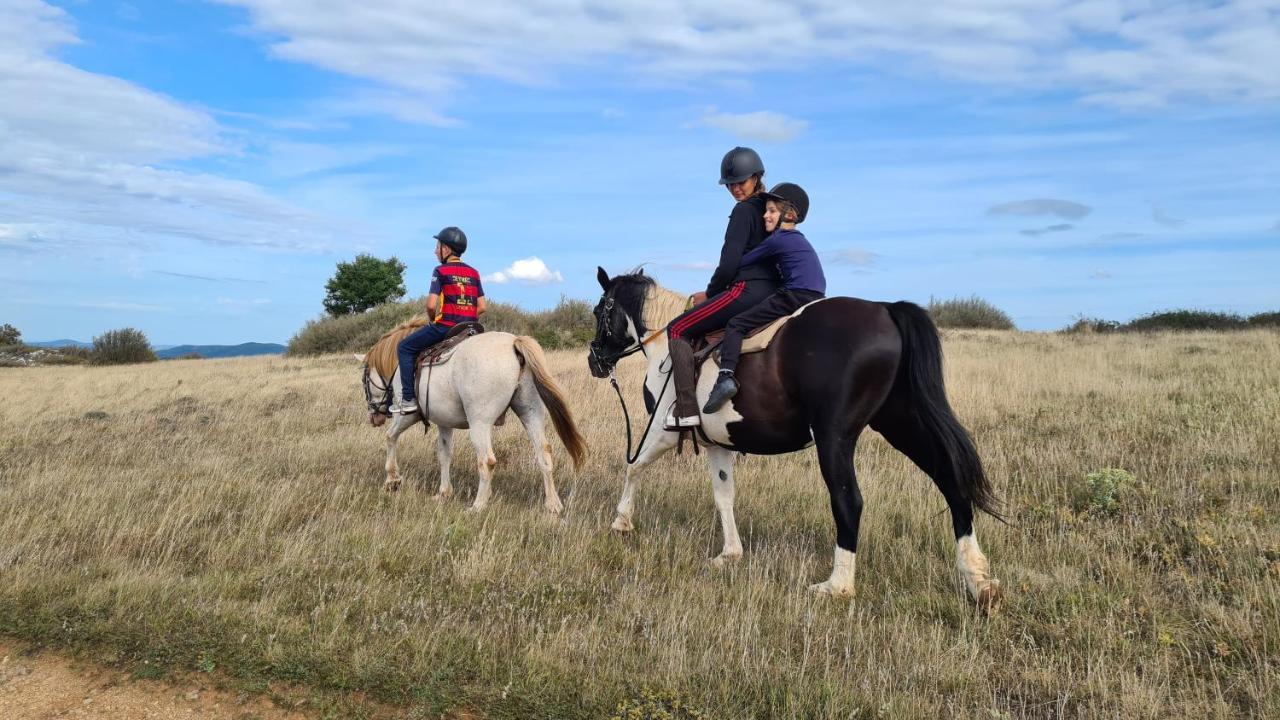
(456, 296)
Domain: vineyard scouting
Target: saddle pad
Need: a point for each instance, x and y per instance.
(759, 338)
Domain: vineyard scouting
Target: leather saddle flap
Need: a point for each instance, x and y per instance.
(440, 353)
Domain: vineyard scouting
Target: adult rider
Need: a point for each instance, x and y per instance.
(733, 287)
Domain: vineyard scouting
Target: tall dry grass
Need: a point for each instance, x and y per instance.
(229, 515)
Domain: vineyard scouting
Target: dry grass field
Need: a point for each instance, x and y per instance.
(228, 517)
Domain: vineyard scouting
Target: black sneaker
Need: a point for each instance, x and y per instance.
(725, 388)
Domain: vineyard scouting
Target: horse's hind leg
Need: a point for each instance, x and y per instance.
(482, 441)
(444, 454)
(530, 411)
(905, 433)
(721, 464)
(835, 457)
(399, 424)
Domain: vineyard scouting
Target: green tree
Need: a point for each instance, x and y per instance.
(9, 335)
(363, 283)
(116, 347)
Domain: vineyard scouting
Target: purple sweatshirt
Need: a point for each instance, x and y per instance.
(795, 257)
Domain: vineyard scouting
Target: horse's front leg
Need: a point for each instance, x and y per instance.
(720, 461)
(399, 423)
(654, 446)
(444, 454)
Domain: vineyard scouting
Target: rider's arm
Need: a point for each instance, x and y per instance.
(763, 251)
(433, 295)
(744, 222)
(481, 305)
(433, 304)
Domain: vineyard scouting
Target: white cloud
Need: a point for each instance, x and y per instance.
(1122, 52)
(84, 155)
(765, 126)
(529, 270)
(1036, 232)
(856, 257)
(1042, 206)
(1164, 218)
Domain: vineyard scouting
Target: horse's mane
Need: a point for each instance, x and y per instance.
(382, 357)
(641, 295)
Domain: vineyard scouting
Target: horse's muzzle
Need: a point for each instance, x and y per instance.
(598, 367)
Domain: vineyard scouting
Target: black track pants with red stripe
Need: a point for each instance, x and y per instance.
(719, 309)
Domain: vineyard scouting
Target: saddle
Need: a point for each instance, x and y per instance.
(755, 341)
(440, 353)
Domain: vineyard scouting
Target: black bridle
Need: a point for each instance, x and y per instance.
(605, 333)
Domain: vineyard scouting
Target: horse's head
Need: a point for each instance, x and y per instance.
(619, 324)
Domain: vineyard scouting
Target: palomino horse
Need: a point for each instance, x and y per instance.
(486, 375)
(834, 368)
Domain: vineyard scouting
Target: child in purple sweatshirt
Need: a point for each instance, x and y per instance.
(802, 282)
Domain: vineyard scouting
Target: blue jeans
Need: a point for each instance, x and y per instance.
(408, 350)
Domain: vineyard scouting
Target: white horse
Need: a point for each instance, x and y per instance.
(486, 375)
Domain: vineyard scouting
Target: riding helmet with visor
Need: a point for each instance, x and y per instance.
(793, 195)
(739, 164)
(452, 238)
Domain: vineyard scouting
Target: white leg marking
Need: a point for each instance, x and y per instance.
(399, 423)
(976, 572)
(721, 463)
(658, 443)
(444, 454)
(840, 584)
(482, 440)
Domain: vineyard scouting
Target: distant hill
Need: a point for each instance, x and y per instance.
(61, 343)
(221, 351)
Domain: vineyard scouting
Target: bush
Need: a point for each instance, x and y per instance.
(569, 324)
(1265, 320)
(973, 312)
(351, 333)
(9, 335)
(362, 284)
(1087, 325)
(1186, 320)
(1104, 491)
(126, 345)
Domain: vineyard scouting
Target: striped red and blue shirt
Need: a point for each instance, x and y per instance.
(459, 288)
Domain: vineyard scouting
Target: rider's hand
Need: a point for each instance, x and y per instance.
(698, 298)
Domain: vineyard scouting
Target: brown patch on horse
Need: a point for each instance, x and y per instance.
(382, 357)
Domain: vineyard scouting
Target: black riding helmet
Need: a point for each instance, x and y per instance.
(453, 238)
(739, 164)
(794, 195)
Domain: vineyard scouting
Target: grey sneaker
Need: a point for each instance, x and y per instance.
(405, 407)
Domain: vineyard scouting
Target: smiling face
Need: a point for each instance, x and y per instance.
(772, 215)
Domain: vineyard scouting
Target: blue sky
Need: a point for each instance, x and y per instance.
(196, 169)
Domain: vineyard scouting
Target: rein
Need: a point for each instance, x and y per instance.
(613, 380)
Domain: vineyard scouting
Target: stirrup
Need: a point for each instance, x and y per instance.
(674, 423)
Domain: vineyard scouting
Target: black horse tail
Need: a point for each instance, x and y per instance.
(920, 375)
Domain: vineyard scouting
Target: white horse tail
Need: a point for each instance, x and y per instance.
(530, 352)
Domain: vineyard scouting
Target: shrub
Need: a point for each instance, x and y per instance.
(1265, 320)
(1104, 491)
(126, 345)
(972, 312)
(1086, 325)
(351, 333)
(569, 324)
(362, 284)
(9, 335)
(1186, 320)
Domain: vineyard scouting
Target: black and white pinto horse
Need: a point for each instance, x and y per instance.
(838, 366)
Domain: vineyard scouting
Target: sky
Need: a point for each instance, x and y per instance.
(197, 169)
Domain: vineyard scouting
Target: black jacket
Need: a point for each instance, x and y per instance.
(745, 232)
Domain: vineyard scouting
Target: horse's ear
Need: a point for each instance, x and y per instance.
(359, 357)
(603, 277)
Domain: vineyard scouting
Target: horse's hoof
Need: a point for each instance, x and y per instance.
(391, 485)
(990, 596)
(826, 588)
(441, 497)
(474, 510)
(621, 525)
(556, 509)
(724, 560)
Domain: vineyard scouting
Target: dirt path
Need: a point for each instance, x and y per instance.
(50, 685)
